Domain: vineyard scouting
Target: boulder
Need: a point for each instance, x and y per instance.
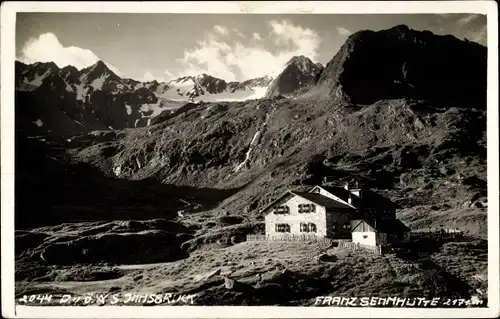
(207, 275)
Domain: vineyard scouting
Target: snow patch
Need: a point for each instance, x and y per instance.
(81, 92)
(158, 107)
(38, 123)
(97, 83)
(129, 109)
(145, 108)
(136, 121)
(68, 87)
(149, 122)
(117, 170)
(79, 123)
(182, 88)
(38, 80)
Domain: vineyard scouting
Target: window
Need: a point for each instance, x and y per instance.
(283, 209)
(307, 208)
(346, 226)
(312, 227)
(365, 236)
(307, 228)
(282, 228)
(304, 228)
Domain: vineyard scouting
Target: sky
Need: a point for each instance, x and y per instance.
(234, 47)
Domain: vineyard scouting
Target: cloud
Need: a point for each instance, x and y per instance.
(343, 31)
(296, 38)
(470, 26)
(477, 35)
(220, 29)
(148, 76)
(168, 75)
(233, 60)
(256, 36)
(238, 33)
(47, 48)
(474, 27)
(468, 19)
(165, 77)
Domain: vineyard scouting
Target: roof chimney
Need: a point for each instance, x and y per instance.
(349, 199)
(346, 185)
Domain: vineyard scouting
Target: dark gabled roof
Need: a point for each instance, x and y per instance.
(322, 200)
(338, 191)
(369, 199)
(392, 226)
(387, 226)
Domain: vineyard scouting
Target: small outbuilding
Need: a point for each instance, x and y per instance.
(379, 232)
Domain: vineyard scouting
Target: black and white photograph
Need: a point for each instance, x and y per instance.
(293, 160)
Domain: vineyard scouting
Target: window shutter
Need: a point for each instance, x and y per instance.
(283, 209)
(282, 228)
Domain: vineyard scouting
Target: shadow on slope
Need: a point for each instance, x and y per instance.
(49, 191)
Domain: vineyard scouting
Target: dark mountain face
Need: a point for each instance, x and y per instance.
(211, 84)
(404, 63)
(299, 73)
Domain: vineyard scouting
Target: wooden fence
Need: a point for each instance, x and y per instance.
(342, 243)
(357, 246)
(290, 237)
(437, 233)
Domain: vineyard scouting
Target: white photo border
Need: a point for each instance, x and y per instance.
(8, 26)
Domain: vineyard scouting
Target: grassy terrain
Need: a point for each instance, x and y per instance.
(275, 273)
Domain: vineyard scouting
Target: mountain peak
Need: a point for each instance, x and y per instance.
(48, 65)
(400, 62)
(98, 70)
(299, 72)
(402, 28)
(70, 68)
(299, 59)
(100, 66)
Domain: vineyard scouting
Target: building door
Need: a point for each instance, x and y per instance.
(335, 229)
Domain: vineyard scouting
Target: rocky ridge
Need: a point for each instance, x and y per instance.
(67, 101)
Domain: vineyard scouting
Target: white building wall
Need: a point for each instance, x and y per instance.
(359, 237)
(294, 218)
